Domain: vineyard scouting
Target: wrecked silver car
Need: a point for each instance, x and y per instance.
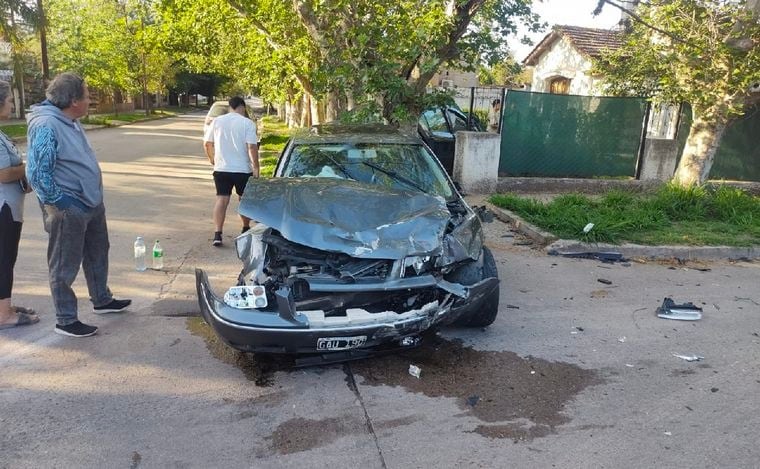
(362, 241)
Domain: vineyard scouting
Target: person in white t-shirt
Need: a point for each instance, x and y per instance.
(230, 144)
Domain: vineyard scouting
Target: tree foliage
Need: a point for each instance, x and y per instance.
(17, 20)
(113, 44)
(702, 52)
(354, 53)
(505, 73)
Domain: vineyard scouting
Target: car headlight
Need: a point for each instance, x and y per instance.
(243, 245)
(251, 249)
(416, 265)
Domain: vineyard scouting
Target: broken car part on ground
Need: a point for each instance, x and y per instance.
(362, 240)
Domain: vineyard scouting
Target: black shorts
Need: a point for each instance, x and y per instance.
(224, 182)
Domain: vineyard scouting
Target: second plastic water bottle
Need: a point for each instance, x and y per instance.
(158, 256)
(140, 254)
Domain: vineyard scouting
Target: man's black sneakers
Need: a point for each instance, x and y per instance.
(217, 239)
(114, 306)
(76, 329)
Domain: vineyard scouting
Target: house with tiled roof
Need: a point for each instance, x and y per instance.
(562, 61)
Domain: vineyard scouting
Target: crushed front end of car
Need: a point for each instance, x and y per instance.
(333, 267)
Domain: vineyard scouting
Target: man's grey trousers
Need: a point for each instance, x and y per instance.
(76, 237)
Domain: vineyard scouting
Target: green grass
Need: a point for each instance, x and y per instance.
(14, 130)
(19, 130)
(274, 135)
(698, 216)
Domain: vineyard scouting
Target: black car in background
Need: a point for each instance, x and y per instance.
(438, 127)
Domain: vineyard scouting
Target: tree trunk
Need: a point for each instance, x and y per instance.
(317, 111)
(18, 84)
(333, 106)
(43, 43)
(305, 120)
(699, 152)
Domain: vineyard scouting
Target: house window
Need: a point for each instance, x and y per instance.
(559, 85)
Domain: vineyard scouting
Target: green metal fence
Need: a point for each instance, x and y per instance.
(738, 156)
(549, 135)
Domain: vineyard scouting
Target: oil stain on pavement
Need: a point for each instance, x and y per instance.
(520, 398)
(501, 389)
(257, 368)
(300, 434)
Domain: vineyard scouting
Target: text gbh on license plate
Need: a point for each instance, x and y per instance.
(340, 343)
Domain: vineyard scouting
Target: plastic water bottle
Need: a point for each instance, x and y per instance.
(158, 256)
(140, 254)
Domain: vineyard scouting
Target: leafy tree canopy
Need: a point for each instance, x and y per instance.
(372, 52)
(691, 55)
(702, 52)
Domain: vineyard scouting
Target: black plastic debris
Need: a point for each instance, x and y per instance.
(485, 215)
(683, 312)
(607, 257)
(604, 281)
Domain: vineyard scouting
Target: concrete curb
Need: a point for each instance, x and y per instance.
(537, 235)
(555, 246)
(565, 246)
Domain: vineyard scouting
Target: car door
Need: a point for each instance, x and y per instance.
(435, 130)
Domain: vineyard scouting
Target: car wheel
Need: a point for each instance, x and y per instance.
(489, 308)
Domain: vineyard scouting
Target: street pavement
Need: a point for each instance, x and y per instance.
(577, 370)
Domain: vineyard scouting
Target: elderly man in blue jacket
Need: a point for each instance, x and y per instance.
(62, 169)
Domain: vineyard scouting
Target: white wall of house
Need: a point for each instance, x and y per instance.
(562, 59)
(454, 78)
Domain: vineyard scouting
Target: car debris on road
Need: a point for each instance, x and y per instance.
(689, 358)
(683, 312)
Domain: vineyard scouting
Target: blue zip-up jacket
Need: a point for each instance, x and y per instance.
(61, 165)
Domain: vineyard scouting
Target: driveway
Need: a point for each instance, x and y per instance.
(577, 371)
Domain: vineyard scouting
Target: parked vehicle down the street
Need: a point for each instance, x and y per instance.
(362, 242)
(438, 127)
(220, 108)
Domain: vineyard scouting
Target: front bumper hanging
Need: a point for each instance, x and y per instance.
(290, 331)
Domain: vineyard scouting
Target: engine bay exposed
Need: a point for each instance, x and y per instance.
(299, 267)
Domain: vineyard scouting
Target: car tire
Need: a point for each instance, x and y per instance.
(489, 308)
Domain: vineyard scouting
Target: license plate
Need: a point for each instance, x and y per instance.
(340, 343)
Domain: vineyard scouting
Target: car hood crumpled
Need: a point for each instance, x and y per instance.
(361, 220)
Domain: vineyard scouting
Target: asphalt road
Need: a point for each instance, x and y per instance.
(576, 372)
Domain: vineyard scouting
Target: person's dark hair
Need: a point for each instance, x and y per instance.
(235, 102)
(495, 102)
(64, 89)
(5, 91)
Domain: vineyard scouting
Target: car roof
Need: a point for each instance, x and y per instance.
(364, 133)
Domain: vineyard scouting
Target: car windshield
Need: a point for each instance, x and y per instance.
(401, 166)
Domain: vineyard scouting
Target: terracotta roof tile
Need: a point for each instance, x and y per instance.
(588, 41)
(592, 41)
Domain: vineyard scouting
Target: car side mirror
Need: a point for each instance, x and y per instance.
(441, 136)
